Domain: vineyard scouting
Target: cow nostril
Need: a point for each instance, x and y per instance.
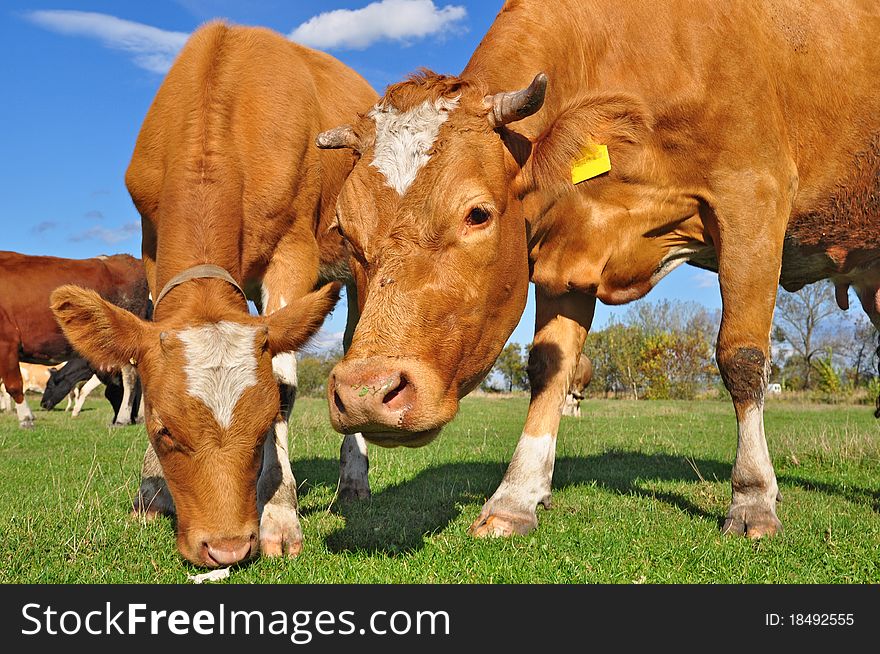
(338, 402)
(395, 392)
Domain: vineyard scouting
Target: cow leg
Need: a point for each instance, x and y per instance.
(87, 388)
(354, 464)
(561, 326)
(5, 400)
(292, 273)
(129, 377)
(72, 397)
(153, 497)
(280, 531)
(10, 373)
(748, 273)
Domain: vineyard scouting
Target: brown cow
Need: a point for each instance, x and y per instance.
(742, 136)
(583, 375)
(234, 199)
(28, 331)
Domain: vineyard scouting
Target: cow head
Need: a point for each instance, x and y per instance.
(438, 237)
(211, 398)
(61, 381)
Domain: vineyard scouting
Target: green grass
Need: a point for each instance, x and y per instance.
(639, 492)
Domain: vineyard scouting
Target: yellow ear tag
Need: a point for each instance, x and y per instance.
(595, 162)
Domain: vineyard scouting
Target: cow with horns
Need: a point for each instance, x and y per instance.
(740, 137)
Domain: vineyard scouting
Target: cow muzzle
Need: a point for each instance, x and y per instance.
(214, 551)
(392, 402)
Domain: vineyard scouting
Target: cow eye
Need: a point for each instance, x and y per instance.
(478, 216)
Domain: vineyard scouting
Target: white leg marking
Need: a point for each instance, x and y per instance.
(354, 468)
(530, 473)
(5, 399)
(404, 139)
(221, 365)
(753, 462)
(128, 380)
(72, 397)
(87, 388)
(280, 531)
(25, 417)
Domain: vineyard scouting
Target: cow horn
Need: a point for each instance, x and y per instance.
(338, 137)
(511, 106)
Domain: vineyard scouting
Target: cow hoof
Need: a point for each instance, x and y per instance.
(351, 491)
(503, 524)
(280, 532)
(751, 521)
(26, 424)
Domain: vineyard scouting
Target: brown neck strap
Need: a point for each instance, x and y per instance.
(203, 271)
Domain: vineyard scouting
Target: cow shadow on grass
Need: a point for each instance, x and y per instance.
(397, 518)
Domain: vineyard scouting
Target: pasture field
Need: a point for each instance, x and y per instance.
(639, 493)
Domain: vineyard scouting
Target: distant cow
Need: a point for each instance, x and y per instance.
(34, 377)
(62, 381)
(236, 204)
(583, 374)
(28, 330)
(590, 148)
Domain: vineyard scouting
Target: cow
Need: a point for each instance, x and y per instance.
(28, 330)
(34, 377)
(236, 204)
(62, 382)
(583, 375)
(591, 147)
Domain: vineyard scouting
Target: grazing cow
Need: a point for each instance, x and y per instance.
(28, 330)
(78, 370)
(235, 201)
(583, 374)
(742, 137)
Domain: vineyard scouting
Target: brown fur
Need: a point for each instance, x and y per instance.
(730, 126)
(224, 172)
(28, 330)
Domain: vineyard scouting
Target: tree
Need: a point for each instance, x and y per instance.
(660, 350)
(804, 322)
(861, 351)
(512, 367)
(312, 371)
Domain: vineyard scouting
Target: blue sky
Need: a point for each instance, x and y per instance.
(79, 77)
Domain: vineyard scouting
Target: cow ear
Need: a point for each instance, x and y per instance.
(617, 121)
(106, 335)
(289, 328)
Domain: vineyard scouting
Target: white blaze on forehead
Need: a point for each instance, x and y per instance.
(220, 365)
(404, 138)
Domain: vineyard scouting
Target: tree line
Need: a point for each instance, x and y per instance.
(666, 350)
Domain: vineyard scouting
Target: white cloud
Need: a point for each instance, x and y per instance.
(705, 279)
(152, 48)
(392, 20)
(109, 236)
(323, 341)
